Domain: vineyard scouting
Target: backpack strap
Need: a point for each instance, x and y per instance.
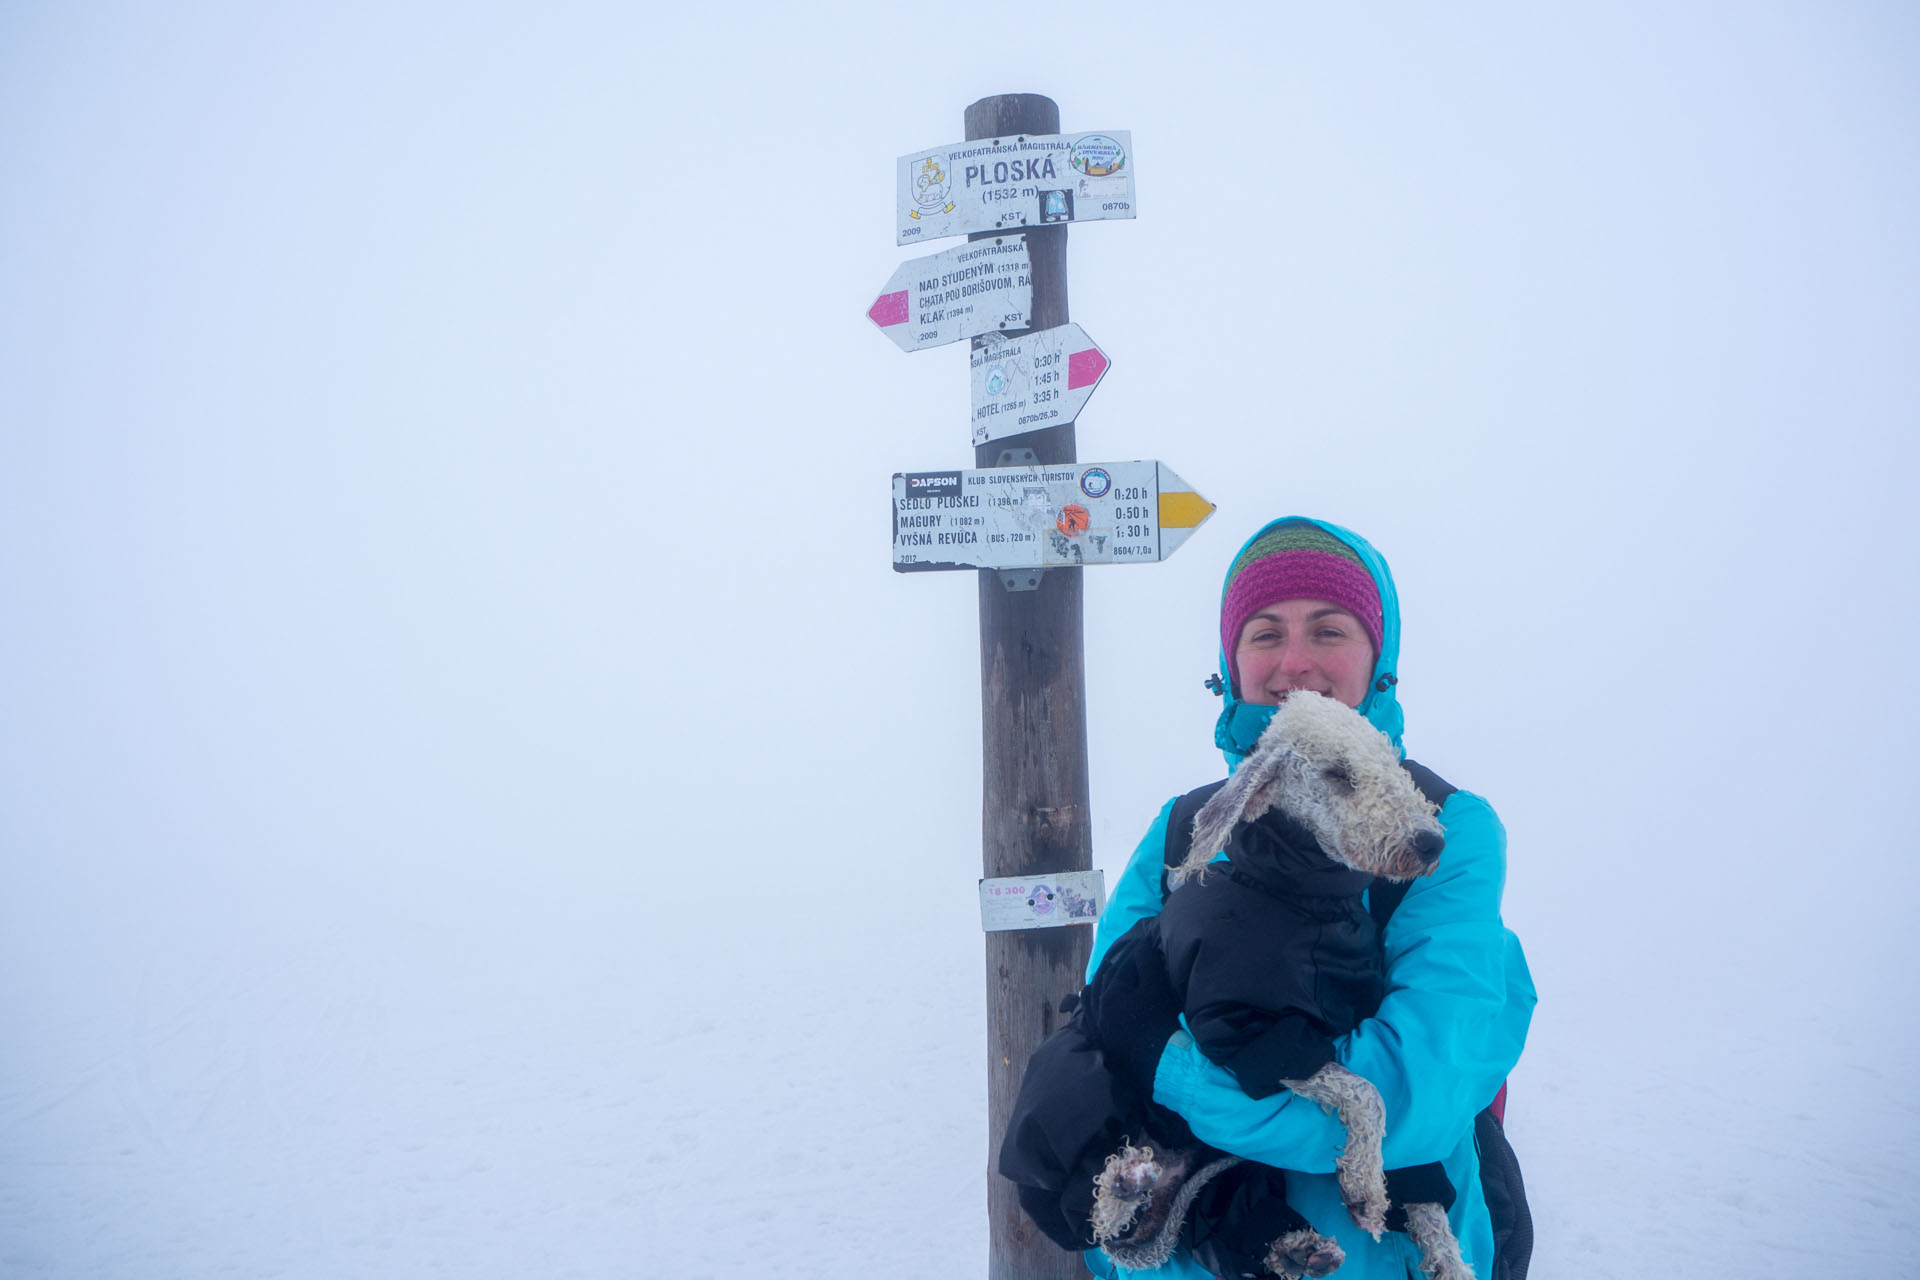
(1383, 898)
(1506, 1195)
(1180, 827)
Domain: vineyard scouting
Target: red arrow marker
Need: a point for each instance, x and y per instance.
(1084, 367)
(1006, 398)
(891, 309)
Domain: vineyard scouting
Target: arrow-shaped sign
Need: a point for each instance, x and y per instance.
(983, 286)
(1032, 381)
(1042, 517)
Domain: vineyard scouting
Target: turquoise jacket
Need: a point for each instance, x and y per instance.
(1459, 999)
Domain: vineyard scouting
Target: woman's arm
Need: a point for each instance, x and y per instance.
(1459, 999)
(1137, 895)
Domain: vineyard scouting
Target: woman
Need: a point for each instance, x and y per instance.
(1310, 606)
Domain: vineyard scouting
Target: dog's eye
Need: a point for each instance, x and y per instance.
(1338, 775)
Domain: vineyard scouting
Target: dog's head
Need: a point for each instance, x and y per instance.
(1325, 767)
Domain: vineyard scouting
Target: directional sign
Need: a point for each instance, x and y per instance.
(1035, 380)
(1042, 517)
(982, 286)
(1025, 181)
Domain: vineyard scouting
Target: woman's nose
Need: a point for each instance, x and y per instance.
(1296, 657)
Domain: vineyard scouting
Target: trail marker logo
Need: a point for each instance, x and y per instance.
(1097, 156)
(931, 183)
(1095, 482)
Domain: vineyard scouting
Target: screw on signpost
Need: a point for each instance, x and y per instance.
(1027, 516)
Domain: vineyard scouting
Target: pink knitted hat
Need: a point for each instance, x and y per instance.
(1296, 561)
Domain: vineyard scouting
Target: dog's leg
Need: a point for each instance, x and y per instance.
(1141, 1199)
(1439, 1250)
(1305, 1253)
(1363, 1180)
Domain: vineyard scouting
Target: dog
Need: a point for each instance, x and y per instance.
(1346, 811)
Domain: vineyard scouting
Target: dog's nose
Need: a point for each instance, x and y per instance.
(1427, 846)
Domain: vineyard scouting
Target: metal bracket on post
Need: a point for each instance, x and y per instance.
(1019, 579)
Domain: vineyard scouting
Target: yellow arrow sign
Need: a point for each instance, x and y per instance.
(1183, 509)
(1042, 516)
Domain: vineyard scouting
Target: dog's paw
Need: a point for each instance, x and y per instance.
(1363, 1189)
(1304, 1253)
(1367, 1207)
(1134, 1192)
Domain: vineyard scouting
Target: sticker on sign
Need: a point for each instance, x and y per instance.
(1029, 180)
(983, 286)
(1042, 901)
(1032, 381)
(1042, 517)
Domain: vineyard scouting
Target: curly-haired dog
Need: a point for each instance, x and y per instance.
(1274, 956)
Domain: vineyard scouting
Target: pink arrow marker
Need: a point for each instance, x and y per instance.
(1016, 381)
(1085, 367)
(891, 309)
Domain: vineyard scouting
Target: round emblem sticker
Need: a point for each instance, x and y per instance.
(1097, 156)
(1095, 482)
(1074, 520)
(996, 380)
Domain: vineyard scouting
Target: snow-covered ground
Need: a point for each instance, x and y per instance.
(603, 1080)
(475, 801)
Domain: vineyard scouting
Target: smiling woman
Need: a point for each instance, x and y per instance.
(1295, 645)
(1300, 611)
(1224, 1167)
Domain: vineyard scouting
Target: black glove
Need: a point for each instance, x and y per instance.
(1236, 1218)
(1417, 1184)
(1131, 1007)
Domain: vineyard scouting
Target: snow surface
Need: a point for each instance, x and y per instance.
(475, 801)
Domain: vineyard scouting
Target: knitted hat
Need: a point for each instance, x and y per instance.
(1296, 561)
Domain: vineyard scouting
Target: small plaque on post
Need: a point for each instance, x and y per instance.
(1042, 901)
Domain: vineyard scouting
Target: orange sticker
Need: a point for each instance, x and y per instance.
(1073, 520)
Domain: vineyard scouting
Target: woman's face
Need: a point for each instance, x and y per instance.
(1303, 644)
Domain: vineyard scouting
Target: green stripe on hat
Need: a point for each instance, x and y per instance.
(1294, 537)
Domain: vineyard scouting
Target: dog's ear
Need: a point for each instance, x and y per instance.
(1213, 825)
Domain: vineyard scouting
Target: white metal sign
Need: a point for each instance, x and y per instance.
(1043, 901)
(982, 286)
(1032, 381)
(1042, 517)
(1025, 181)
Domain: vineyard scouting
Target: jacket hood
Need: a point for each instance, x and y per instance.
(1241, 723)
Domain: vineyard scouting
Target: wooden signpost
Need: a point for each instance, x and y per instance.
(1027, 516)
